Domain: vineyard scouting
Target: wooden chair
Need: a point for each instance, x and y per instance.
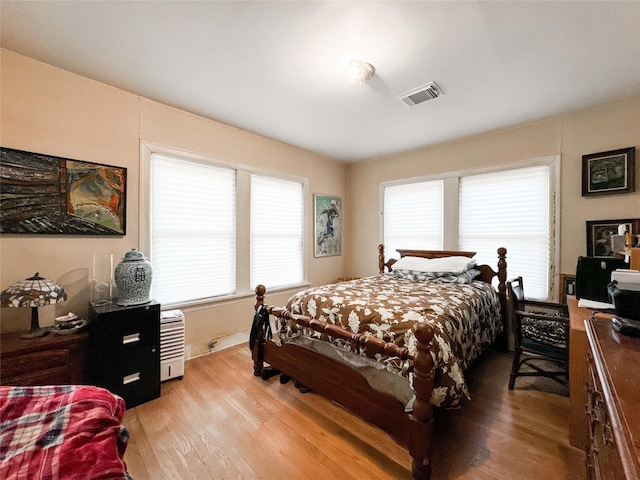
(541, 335)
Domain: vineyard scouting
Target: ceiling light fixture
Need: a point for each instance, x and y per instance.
(359, 70)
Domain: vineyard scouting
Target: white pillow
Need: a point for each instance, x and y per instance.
(435, 265)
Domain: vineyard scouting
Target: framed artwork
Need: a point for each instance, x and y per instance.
(567, 286)
(43, 194)
(328, 225)
(608, 172)
(599, 235)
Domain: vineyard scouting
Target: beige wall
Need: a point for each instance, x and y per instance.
(48, 110)
(570, 136)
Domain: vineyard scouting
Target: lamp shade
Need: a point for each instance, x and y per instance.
(33, 292)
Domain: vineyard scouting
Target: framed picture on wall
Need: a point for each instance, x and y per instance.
(567, 286)
(608, 172)
(599, 242)
(328, 225)
(43, 194)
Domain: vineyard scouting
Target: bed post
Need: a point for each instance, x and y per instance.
(502, 295)
(423, 381)
(381, 258)
(257, 349)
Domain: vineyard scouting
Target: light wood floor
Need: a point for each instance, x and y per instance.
(221, 422)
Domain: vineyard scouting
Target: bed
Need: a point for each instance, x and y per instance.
(61, 432)
(390, 363)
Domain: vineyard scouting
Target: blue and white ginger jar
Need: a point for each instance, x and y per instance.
(133, 278)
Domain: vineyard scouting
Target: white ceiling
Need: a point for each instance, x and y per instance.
(279, 68)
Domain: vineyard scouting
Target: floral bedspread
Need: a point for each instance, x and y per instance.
(465, 317)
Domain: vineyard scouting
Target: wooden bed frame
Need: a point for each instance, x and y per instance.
(345, 386)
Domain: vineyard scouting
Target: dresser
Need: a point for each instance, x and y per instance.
(578, 351)
(578, 370)
(613, 401)
(50, 360)
(123, 350)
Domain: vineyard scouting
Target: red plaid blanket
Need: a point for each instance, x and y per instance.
(61, 432)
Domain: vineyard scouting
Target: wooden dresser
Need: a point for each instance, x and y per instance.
(613, 403)
(49, 360)
(578, 370)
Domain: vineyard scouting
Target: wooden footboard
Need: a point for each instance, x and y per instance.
(328, 378)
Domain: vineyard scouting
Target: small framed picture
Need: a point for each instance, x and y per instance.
(328, 225)
(567, 286)
(599, 232)
(608, 172)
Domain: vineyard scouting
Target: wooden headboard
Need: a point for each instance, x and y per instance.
(487, 273)
(418, 253)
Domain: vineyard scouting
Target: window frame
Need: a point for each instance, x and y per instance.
(243, 214)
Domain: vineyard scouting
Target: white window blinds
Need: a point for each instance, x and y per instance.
(277, 216)
(193, 225)
(509, 209)
(413, 216)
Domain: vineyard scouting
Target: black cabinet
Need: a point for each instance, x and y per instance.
(123, 350)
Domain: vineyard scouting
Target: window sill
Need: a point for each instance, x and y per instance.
(233, 298)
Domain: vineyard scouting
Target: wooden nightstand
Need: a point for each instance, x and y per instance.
(49, 360)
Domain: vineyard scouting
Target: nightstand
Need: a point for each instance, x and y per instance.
(123, 350)
(50, 360)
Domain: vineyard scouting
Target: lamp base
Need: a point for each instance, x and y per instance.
(35, 333)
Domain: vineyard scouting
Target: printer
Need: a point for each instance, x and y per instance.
(624, 293)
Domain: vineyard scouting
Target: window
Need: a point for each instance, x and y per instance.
(276, 231)
(193, 225)
(512, 208)
(215, 230)
(413, 216)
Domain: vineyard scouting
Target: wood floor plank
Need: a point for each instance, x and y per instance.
(221, 423)
(139, 450)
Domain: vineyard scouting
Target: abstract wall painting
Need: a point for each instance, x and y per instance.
(44, 194)
(328, 225)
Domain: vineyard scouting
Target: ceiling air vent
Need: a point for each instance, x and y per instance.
(421, 94)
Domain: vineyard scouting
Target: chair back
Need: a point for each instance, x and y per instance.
(515, 301)
(540, 332)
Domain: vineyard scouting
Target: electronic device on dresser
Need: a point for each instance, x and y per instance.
(123, 350)
(624, 293)
(593, 274)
